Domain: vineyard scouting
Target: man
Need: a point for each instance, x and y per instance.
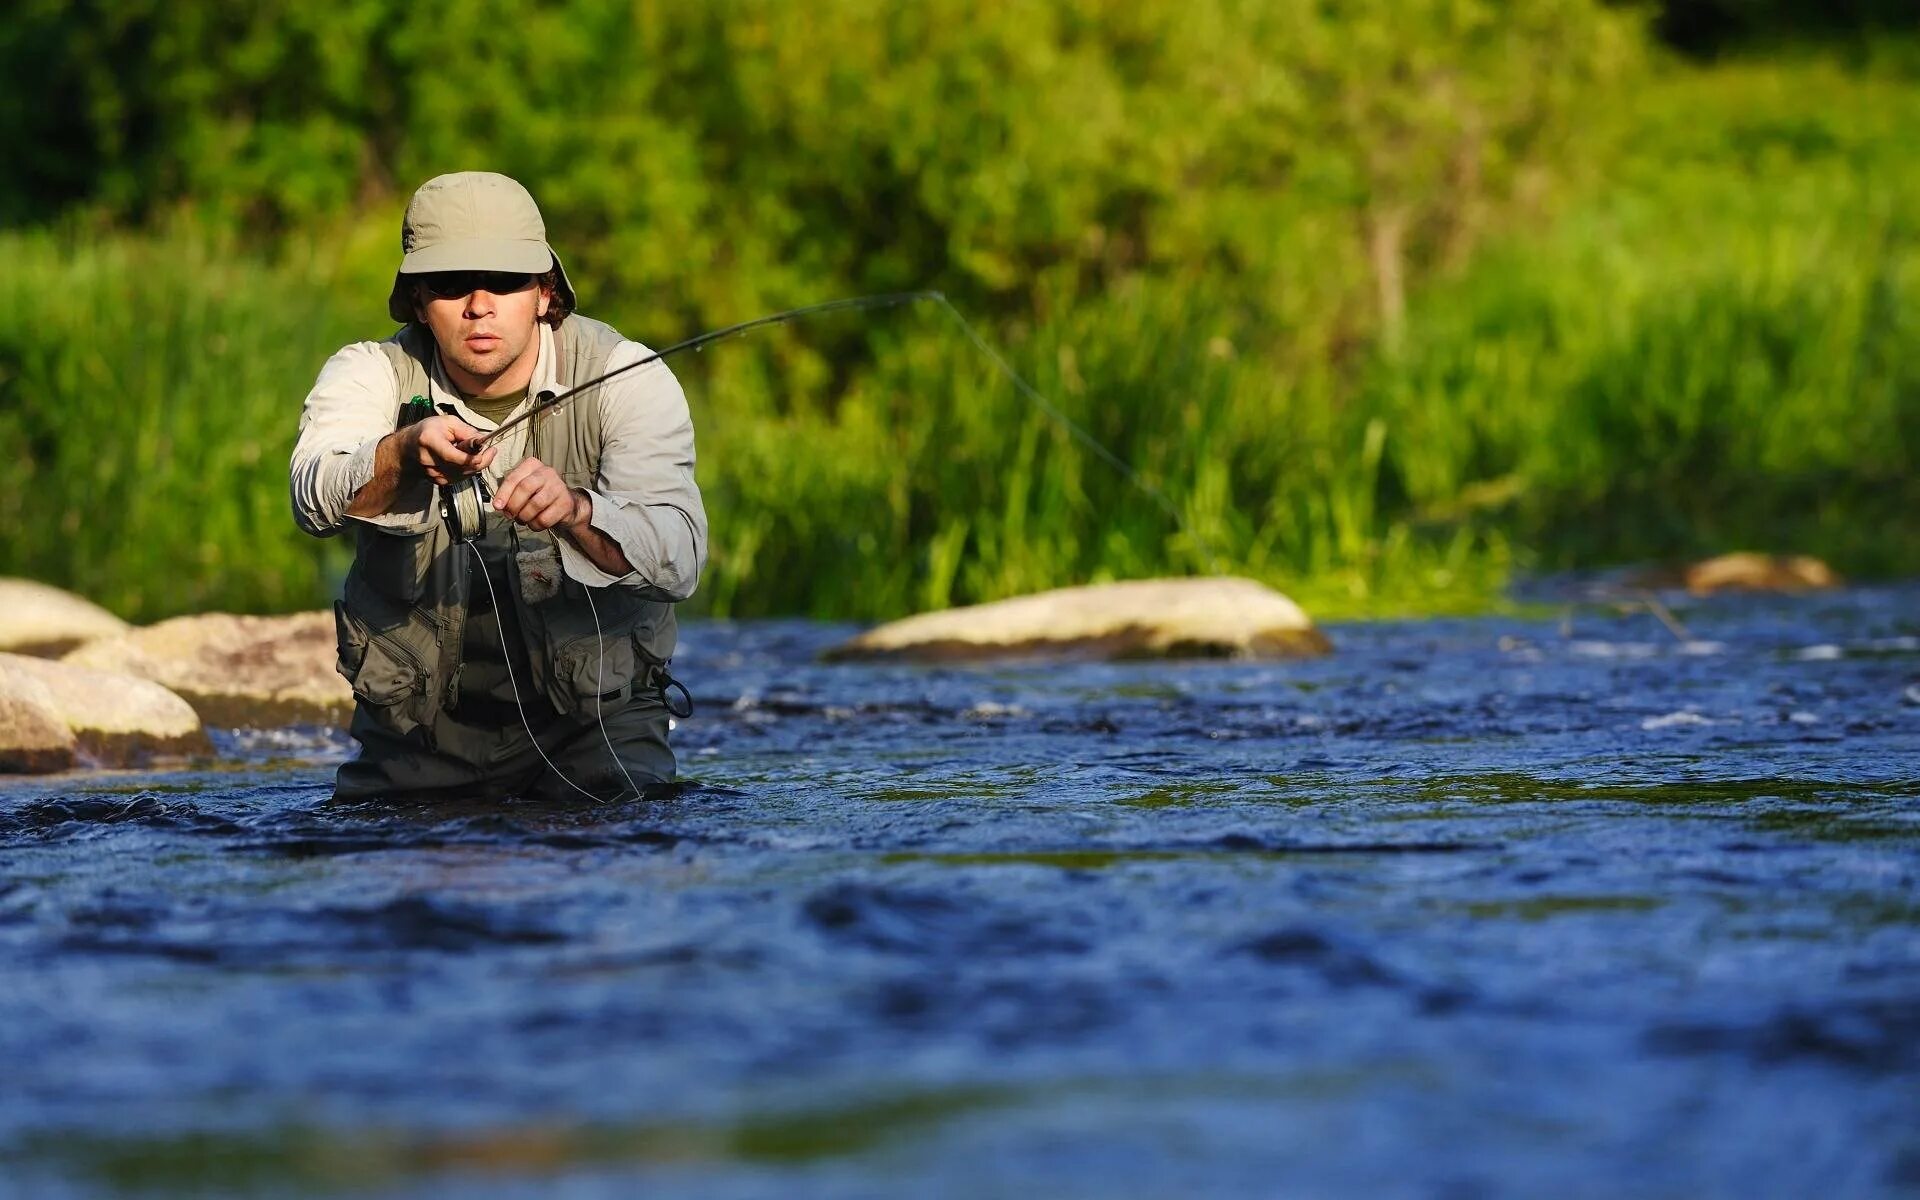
(487, 667)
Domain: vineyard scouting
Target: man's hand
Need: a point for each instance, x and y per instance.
(435, 447)
(534, 495)
(438, 448)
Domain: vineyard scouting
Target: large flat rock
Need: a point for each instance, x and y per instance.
(42, 620)
(237, 672)
(113, 719)
(1145, 618)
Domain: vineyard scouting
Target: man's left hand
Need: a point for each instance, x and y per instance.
(534, 495)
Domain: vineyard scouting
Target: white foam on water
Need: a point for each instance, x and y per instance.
(1593, 649)
(1820, 653)
(1675, 719)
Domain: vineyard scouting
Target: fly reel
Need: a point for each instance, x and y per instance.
(464, 506)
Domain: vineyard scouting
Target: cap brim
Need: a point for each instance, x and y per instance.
(479, 254)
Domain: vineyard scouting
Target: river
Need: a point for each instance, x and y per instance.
(1489, 907)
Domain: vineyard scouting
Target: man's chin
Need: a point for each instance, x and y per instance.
(487, 367)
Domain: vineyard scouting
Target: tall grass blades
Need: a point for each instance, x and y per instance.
(152, 386)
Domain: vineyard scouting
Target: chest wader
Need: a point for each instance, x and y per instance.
(410, 596)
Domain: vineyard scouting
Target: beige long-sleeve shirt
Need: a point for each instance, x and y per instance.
(644, 496)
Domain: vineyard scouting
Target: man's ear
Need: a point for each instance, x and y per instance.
(546, 301)
(419, 303)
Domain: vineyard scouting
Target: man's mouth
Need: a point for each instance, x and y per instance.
(482, 341)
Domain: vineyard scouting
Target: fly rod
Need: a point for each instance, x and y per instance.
(556, 399)
(473, 505)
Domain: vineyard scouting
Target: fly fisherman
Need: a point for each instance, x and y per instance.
(594, 520)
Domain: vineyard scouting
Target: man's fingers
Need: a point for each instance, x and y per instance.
(444, 443)
(460, 433)
(511, 492)
(540, 502)
(526, 477)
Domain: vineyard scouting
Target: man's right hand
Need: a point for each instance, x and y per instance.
(438, 447)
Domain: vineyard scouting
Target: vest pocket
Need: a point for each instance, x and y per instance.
(383, 672)
(594, 674)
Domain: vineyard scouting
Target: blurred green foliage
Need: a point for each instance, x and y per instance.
(1709, 27)
(1387, 297)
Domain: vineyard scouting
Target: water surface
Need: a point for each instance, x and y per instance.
(1492, 907)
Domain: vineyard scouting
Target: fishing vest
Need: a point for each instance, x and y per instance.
(402, 615)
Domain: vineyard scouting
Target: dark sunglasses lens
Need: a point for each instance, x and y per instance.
(450, 284)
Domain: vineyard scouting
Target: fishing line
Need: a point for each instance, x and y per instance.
(466, 505)
(551, 401)
(599, 670)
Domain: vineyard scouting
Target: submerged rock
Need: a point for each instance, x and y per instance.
(111, 719)
(1145, 618)
(38, 619)
(237, 672)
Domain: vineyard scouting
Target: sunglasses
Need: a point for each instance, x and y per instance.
(449, 285)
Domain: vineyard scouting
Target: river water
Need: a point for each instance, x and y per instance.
(1498, 907)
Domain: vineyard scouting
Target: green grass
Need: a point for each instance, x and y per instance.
(153, 388)
(1711, 345)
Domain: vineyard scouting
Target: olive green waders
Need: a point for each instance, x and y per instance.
(479, 748)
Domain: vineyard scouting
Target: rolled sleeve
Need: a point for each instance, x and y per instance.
(350, 408)
(645, 497)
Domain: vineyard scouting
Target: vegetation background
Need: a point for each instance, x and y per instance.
(1391, 298)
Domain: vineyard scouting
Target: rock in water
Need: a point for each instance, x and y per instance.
(33, 738)
(237, 672)
(1145, 618)
(1760, 573)
(42, 620)
(115, 720)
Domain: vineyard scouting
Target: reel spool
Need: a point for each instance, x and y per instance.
(465, 506)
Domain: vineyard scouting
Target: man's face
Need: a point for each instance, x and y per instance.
(484, 322)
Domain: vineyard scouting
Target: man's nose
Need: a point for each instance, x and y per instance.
(480, 303)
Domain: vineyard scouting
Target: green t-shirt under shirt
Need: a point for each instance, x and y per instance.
(496, 409)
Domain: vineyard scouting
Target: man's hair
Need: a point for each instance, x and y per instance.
(557, 306)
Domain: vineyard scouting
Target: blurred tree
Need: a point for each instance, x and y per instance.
(1308, 159)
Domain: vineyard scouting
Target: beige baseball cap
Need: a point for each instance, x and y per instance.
(472, 221)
